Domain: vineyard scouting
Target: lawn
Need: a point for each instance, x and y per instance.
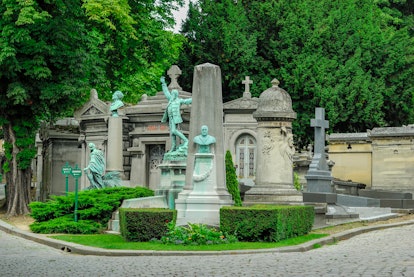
(111, 241)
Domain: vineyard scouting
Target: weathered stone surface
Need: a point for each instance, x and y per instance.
(275, 149)
(385, 194)
(357, 201)
(315, 197)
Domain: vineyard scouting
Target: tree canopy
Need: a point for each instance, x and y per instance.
(53, 52)
(354, 58)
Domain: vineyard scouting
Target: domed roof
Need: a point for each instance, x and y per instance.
(275, 104)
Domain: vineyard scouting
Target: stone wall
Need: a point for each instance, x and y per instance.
(352, 155)
(382, 158)
(393, 158)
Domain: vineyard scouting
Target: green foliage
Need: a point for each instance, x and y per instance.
(231, 180)
(296, 182)
(53, 52)
(354, 58)
(145, 224)
(111, 241)
(266, 223)
(93, 205)
(195, 234)
(66, 225)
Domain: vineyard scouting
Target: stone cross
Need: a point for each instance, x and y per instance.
(320, 125)
(174, 72)
(247, 82)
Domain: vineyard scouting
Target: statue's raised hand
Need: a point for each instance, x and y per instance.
(162, 80)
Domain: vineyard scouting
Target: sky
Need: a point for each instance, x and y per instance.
(179, 16)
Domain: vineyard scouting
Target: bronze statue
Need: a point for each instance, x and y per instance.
(172, 115)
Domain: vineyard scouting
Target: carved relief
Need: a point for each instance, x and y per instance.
(286, 147)
(92, 111)
(268, 143)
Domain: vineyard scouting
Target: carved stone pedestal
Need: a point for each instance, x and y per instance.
(202, 204)
(172, 180)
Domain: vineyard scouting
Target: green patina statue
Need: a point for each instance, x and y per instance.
(96, 169)
(204, 140)
(116, 103)
(172, 115)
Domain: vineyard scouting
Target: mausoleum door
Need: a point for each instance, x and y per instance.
(246, 159)
(156, 154)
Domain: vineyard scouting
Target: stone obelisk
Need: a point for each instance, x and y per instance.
(206, 109)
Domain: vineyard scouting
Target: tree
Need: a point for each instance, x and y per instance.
(135, 45)
(231, 180)
(354, 58)
(53, 52)
(216, 32)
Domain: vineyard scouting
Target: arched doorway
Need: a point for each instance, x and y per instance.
(246, 159)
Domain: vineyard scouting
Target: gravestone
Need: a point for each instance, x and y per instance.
(193, 204)
(319, 178)
(274, 170)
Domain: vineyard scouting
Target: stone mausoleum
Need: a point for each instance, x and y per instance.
(381, 158)
(145, 139)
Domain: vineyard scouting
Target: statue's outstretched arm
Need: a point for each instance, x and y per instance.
(165, 88)
(187, 101)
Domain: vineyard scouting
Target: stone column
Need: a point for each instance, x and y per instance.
(114, 156)
(274, 169)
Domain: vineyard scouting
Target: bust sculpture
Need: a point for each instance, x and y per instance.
(204, 140)
(116, 102)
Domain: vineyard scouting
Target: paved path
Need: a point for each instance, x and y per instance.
(388, 252)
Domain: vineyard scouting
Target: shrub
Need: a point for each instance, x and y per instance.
(94, 206)
(145, 224)
(66, 224)
(231, 180)
(266, 222)
(195, 234)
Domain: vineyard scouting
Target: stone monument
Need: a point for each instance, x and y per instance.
(174, 162)
(274, 174)
(115, 135)
(319, 178)
(205, 189)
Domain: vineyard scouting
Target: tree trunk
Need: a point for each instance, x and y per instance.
(17, 179)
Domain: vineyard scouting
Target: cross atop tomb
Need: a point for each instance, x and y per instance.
(247, 82)
(174, 72)
(320, 125)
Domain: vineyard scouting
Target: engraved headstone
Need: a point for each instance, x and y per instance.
(319, 178)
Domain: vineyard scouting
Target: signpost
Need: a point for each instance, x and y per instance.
(67, 170)
(76, 173)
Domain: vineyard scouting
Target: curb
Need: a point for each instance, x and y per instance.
(88, 250)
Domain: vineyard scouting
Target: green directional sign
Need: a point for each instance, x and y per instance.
(67, 170)
(76, 172)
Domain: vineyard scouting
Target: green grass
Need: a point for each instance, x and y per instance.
(110, 241)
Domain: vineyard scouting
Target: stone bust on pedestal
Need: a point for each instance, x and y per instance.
(204, 140)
